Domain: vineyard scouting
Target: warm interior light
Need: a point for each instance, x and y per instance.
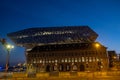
(114, 57)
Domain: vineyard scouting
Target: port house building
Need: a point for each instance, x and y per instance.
(62, 49)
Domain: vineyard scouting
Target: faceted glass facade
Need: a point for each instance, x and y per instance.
(53, 35)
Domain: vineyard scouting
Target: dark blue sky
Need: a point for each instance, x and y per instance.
(103, 16)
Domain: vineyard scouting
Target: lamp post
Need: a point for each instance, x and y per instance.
(8, 48)
(97, 46)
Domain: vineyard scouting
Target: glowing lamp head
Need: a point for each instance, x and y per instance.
(8, 46)
(97, 45)
(12, 46)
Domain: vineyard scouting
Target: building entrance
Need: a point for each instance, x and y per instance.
(82, 67)
(48, 69)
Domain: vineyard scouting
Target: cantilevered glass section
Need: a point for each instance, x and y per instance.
(54, 35)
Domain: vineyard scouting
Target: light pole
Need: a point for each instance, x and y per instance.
(8, 48)
(97, 45)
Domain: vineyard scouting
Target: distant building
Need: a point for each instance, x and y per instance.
(69, 48)
(112, 58)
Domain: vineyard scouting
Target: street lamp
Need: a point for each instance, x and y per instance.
(97, 45)
(8, 48)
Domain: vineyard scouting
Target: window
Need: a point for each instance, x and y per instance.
(34, 61)
(90, 60)
(62, 60)
(79, 59)
(83, 60)
(40, 61)
(65, 59)
(76, 60)
(69, 60)
(72, 59)
(49, 61)
(97, 59)
(93, 59)
(56, 61)
(68, 67)
(74, 67)
(46, 61)
(86, 59)
(52, 61)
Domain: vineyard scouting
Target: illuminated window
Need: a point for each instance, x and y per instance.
(62, 60)
(69, 60)
(74, 68)
(101, 66)
(90, 60)
(55, 68)
(97, 59)
(61, 67)
(68, 67)
(93, 59)
(46, 61)
(49, 61)
(43, 61)
(34, 61)
(56, 61)
(47, 33)
(83, 60)
(50, 33)
(79, 59)
(40, 61)
(65, 59)
(76, 60)
(72, 59)
(23, 36)
(52, 61)
(86, 59)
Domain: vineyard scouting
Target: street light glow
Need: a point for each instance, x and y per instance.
(8, 46)
(12, 46)
(97, 45)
